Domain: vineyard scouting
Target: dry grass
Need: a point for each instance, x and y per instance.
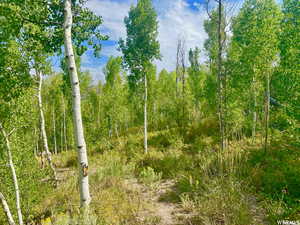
(209, 182)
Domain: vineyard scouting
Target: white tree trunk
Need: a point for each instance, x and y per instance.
(254, 118)
(145, 116)
(35, 151)
(14, 175)
(64, 123)
(267, 110)
(62, 137)
(43, 129)
(6, 209)
(85, 197)
(54, 131)
(99, 111)
(220, 78)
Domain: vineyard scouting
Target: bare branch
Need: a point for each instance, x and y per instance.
(207, 10)
(11, 132)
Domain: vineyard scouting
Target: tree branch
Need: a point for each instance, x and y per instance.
(207, 11)
(6, 209)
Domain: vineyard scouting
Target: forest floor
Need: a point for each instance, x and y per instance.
(165, 210)
(179, 182)
(160, 208)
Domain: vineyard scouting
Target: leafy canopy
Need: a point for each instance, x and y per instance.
(141, 46)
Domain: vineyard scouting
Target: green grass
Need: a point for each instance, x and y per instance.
(275, 176)
(240, 186)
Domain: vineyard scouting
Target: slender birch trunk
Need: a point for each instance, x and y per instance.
(64, 125)
(14, 175)
(37, 144)
(54, 131)
(254, 119)
(109, 127)
(177, 65)
(6, 209)
(42, 124)
(116, 130)
(85, 197)
(267, 111)
(155, 122)
(183, 81)
(61, 137)
(220, 79)
(35, 151)
(99, 111)
(145, 115)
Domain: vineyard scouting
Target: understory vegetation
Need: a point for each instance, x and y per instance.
(240, 186)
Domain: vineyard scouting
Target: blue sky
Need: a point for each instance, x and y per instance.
(177, 18)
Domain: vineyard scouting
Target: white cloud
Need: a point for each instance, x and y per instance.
(175, 17)
(113, 14)
(110, 50)
(96, 72)
(177, 20)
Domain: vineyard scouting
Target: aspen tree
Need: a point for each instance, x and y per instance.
(7, 211)
(42, 125)
(14, 176)
(140, 49)
(85, 197)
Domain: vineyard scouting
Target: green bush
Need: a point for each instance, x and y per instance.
(170, 164)
(149, 176)
(275, 175)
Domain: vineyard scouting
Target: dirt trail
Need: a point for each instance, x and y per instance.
(64, 173)
(166, 212)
